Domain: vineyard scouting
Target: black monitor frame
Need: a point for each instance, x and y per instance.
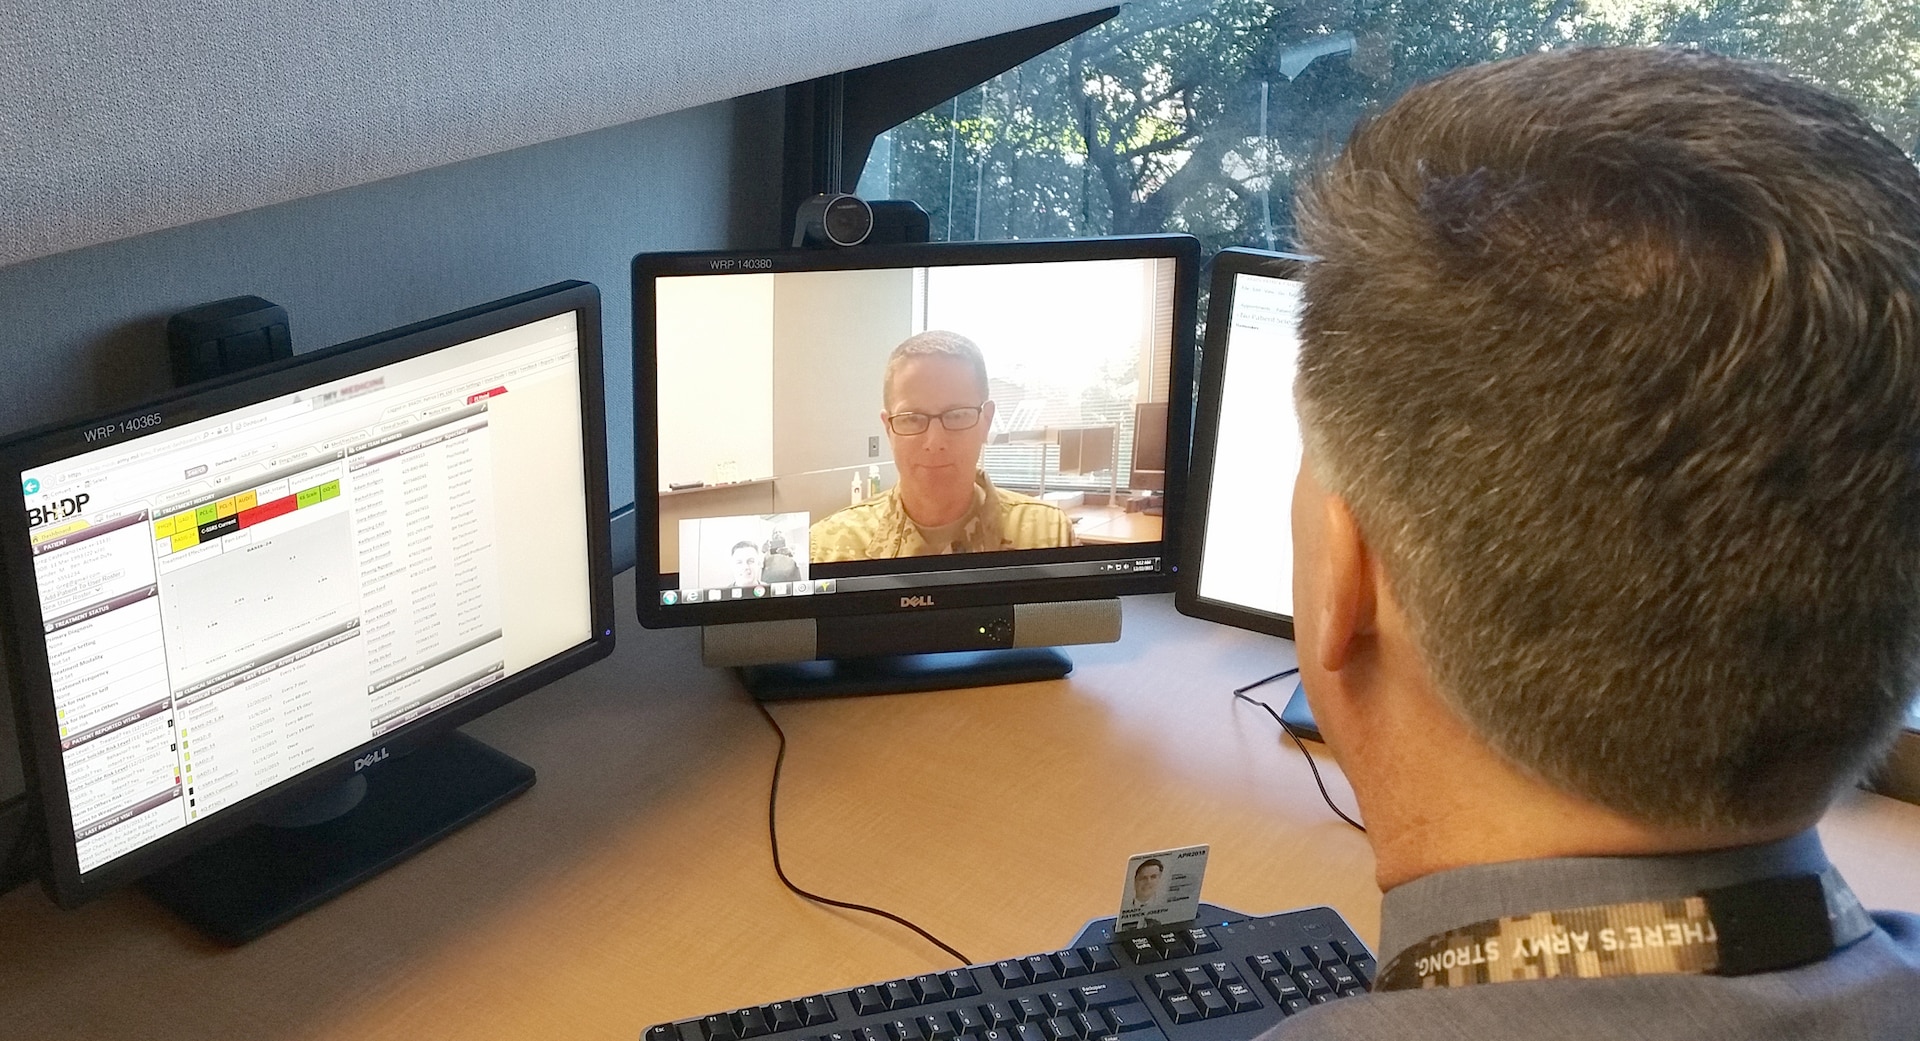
(648, 267)
(29, 671)
(1227, 266)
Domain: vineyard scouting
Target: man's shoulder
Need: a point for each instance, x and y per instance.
(848, 532)
(1870, 990)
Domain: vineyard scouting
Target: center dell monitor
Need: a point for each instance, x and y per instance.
(1236, 563)
(907, 467)
(241, 622)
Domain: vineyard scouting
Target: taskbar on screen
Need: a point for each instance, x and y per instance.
(918, 580)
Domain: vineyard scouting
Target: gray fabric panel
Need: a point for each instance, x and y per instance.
(83, 331)
(118, 119)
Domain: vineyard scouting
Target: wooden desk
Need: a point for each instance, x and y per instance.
(633, 884)
(1101, 525)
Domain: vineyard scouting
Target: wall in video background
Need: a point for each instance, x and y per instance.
(770, 384)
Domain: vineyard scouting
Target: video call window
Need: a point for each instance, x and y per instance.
(776, 430)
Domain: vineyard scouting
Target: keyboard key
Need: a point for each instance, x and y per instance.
(663, 1032)
(1099, 958)
(1266, 966)
(1010, 973)
(718, 1027)
(1312, 982)
(999, 1016)
(784, 1015)
(1292, 1005)
(1062, 1028)
(1141, 950)
(930, 988)
(1317, 956)
(1195, 976)
(1105, 993)
(967, 1021)
(1362, 967)
(1129, 1017)
(1181, 1008)
(1172, 943)
(815, 1011)
(1072, 963)
(866, 1001)
(960, 983)
(1240, 997)
(1342, 978)
(935, 1028)
(1284, 989)
(839, 1035)
(998, 1034)
(1223, 973)
(872, 1033)
(1210, 1002)
(1041, 969)
(899, 994)
(1165, 983)
(904, 1030)
(1321, 999)
(1347, 949)
(1200, 941)
(1061, 1002)
(1029, 1032)
(750, 1022)
(1028, 1009)
(1090, 1024)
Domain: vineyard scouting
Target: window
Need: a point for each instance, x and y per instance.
(1189, 116)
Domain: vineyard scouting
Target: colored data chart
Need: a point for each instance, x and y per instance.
(209, 521)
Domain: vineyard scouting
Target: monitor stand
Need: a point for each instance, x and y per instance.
(1299, 718)
(904, 673)
(242, 886)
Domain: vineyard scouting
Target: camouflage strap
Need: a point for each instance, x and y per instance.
(1759, 926)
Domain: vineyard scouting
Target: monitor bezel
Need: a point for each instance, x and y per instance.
(1184, 250)
(28, 669)
(1228, 265)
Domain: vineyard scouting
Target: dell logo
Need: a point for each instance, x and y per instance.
(368, 760)
(916, 601)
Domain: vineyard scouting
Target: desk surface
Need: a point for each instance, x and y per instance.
(633, 883)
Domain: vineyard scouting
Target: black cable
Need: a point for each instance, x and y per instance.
(1286, 727)
(773, 836)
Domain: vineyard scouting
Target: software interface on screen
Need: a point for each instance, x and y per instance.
(1247, 560)
(234, 600)
(779, 476)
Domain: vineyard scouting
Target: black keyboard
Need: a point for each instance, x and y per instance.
(1225, 977)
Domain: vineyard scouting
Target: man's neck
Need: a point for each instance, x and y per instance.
(938, 508)
(1481, 809)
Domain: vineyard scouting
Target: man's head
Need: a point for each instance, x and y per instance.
(1146, 880)
(746, 563)
(1612, 358)
(937, 416)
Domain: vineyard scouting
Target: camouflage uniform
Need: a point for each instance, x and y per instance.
(879, 528)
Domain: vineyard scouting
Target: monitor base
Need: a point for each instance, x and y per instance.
(242, 886)
(903, 673)
(1299, 718)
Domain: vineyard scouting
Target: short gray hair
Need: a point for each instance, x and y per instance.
(935, 343)
(1615, 355)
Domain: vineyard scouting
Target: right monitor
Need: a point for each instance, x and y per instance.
(1236, 566)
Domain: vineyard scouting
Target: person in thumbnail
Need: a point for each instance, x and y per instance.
(778, 564)
(937, 414)
(746, 563)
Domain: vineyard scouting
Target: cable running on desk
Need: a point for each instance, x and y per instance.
(773, 837)
(1241, 694)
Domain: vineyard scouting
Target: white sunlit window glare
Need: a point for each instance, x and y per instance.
(1196, 117)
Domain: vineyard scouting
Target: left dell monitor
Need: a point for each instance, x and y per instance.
(243, 621)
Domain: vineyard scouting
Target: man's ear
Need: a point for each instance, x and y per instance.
(1347, 602)
(986, 413)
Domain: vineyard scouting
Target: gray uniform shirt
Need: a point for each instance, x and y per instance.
(1869, 990)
